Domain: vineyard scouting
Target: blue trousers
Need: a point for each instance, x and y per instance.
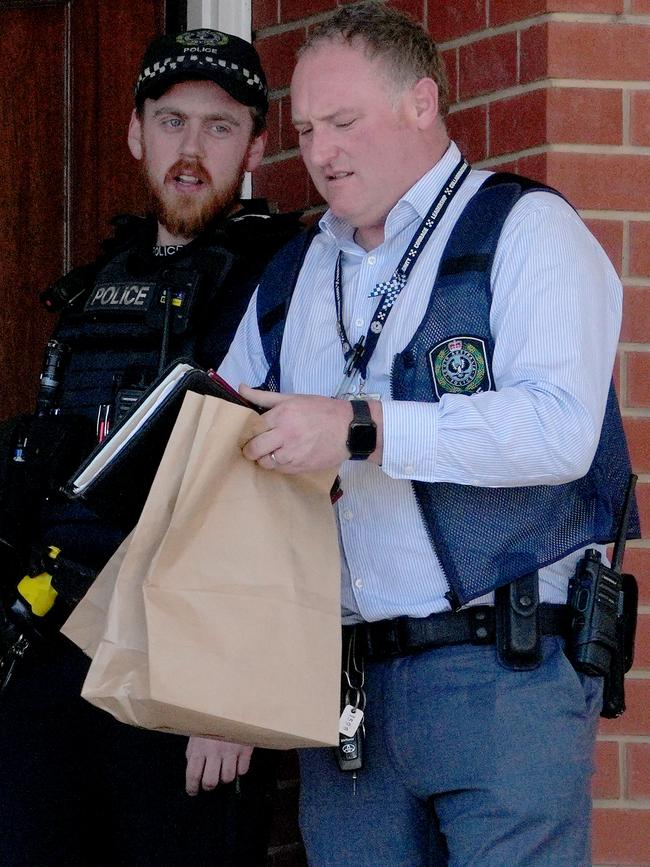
(466, 763)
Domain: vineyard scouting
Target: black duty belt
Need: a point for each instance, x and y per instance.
(475, 625)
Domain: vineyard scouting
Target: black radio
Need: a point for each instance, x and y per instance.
(603, 603)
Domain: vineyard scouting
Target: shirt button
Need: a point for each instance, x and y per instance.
(409, 468)
(372, 260)
(358, 583)
(358, 322)
(347, 514)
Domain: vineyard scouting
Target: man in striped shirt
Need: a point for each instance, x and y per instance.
(445, 437)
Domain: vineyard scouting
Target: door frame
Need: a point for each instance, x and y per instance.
(233, 16)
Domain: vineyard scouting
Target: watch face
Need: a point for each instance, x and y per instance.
(362, 439)
(362, 433)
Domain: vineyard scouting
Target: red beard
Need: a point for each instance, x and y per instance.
(186, 216)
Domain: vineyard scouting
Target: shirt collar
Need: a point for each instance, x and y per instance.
(414, 204)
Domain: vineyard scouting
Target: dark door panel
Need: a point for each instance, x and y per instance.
(67, 71)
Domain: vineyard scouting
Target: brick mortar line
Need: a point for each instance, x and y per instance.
(479, 35)
(623, 739)
(627, 85)
(602, 150)
(288, 26)
(626, 346)
(644, 479)
(538, 150)
(491, 162)
(626, 118)
(506, 93)
(520, 89)
(622, 769)
(640, 412)
(626, 252)
(621, 804)
(604, 214)
(545, 84)
(535, 20)
(601, 83)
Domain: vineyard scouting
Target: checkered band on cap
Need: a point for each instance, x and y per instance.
(229, 61)
(194, 62)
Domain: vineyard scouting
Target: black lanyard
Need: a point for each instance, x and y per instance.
(358, 356)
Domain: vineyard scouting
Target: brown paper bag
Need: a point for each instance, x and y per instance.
(240, 595)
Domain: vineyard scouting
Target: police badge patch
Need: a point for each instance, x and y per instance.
(202, 38)
(459, 365)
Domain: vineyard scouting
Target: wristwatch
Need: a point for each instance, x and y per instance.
(362, 433)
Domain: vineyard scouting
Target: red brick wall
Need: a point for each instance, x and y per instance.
(558, 90)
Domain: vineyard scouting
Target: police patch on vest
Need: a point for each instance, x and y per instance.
(121, 297)
(460, 366)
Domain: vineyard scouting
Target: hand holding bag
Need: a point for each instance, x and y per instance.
(225, 617)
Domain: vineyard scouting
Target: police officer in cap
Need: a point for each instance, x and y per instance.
(77, 787)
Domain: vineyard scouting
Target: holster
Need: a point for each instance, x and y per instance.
(518, 638)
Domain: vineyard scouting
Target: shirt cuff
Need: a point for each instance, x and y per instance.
(410, 438)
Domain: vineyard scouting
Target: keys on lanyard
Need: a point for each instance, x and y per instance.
(349, 752)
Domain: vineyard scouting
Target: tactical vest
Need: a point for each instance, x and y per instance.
(135, 316)
(483, 537)
(140, 312)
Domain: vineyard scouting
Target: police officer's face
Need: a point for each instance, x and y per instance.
(196, 143)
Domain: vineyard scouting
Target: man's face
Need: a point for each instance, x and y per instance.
(195, 143)
(356, 135)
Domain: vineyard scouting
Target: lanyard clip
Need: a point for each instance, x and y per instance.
(350, 369)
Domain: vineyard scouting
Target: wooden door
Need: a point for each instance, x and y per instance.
(67, 70)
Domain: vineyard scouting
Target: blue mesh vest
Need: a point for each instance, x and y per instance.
(484, 537)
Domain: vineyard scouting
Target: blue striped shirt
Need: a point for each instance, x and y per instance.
(555, 317)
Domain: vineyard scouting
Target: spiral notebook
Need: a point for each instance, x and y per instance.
(115, 479)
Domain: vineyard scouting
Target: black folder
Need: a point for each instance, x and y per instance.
(115, 479)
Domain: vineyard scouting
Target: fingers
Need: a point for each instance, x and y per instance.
(275, 460)
(210, 762)
(262, 398)
(244, 760)
(223, 769)
(261, 446)
(193, 771)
